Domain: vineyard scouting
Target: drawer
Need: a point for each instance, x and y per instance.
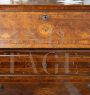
(71, 75)
(45, 29)
(47, 62)
(44, 89)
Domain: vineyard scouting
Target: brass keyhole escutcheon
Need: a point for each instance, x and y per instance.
(45, 17)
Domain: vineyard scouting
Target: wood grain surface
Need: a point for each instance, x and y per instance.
(73, 74)
(45, 7)
(56, 71)
(44, 29)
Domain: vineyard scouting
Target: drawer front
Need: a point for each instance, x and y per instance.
(47, 62)
(44, 72)
(64, 88)
(44, 29)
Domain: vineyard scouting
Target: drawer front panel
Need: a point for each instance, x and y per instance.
(45, 89)
(38, 62)
(44, 30)
(43, 63)
(44, 72)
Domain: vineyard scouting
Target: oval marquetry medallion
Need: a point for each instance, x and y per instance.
(45, 91)
(45, 29)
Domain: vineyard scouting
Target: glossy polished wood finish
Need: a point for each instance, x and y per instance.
(71, 77)
(44, 29)
(45, 7)
(43, 83)
(76, 62)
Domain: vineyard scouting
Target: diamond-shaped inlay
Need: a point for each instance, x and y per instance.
(5, 36)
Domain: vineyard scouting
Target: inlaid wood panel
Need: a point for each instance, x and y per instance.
(44, 29)
(64, 88)
(44, 63)
(53, 62)
(19, 77)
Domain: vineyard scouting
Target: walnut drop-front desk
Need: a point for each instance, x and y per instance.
(44, 50)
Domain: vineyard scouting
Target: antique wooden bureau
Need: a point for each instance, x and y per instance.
(44, 50)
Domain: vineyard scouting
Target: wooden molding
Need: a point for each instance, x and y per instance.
(44, 7)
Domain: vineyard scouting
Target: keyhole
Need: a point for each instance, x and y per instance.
(45, 17)
(1, 86)
(88, 85)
